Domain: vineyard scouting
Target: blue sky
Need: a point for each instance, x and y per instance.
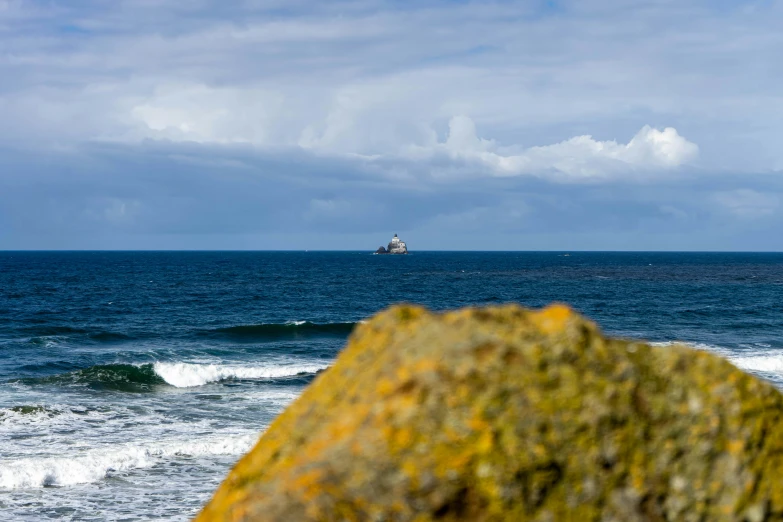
(508, 125)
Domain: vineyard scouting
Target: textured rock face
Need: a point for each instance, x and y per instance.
(509, 414)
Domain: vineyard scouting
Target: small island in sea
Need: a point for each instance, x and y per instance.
(395, 246)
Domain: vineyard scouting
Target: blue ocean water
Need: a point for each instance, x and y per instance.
(130, 382)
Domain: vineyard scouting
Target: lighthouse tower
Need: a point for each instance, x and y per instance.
(396, 246)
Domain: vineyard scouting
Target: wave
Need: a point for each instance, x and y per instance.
(47, 335)
(705, 347)
(145, 377)
(18, 423)
(95, 465)
(292, 329)
(109, 337)
(123, 377)
(765, 359)
(27, 409)
(186, 375)
(46, 342)
(759, 363)
(51, 330)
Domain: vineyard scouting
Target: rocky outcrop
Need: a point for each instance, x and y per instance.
(395, 246)
(509, 414)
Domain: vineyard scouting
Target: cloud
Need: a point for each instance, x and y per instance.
(358, 125)
(372, 78)
(578, 157)
(198, 113)
(159, 194)
(271, 124)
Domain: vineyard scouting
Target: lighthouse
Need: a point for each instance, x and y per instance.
(396, 246)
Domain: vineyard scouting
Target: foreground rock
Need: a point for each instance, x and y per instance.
(508, 414)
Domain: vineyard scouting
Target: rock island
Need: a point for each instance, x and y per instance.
(395, 246)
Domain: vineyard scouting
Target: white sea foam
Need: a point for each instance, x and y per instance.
(705, 347)
(47, 341)
(12, 420)
(184, 375)
(97, 464)
(759, 363)
(759, 357)
(699, 346)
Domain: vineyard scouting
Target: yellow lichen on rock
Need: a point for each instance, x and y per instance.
(509, 414)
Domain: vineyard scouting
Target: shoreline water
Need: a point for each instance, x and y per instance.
(130, 382)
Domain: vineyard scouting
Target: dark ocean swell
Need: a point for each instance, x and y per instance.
(120, 377)
(275, 331)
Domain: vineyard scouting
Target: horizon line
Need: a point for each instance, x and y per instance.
(370, 252)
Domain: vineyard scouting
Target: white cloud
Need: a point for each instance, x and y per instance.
(374, 79)
(370, 121)
(581, 156)
(208, 115)
(266, 118)
(346, 116)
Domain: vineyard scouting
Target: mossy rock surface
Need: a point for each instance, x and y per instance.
(510, 414)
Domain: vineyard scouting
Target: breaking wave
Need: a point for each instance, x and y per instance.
(97, 464)
(761, 358)
(144, 377)
(759, 363)
(185, 375)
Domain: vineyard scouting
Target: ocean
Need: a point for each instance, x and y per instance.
(130, 382)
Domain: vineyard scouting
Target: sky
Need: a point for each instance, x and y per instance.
(457, 124)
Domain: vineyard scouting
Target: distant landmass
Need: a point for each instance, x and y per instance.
(395, 246)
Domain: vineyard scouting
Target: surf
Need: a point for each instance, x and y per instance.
(98, 464)
(149, 376)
